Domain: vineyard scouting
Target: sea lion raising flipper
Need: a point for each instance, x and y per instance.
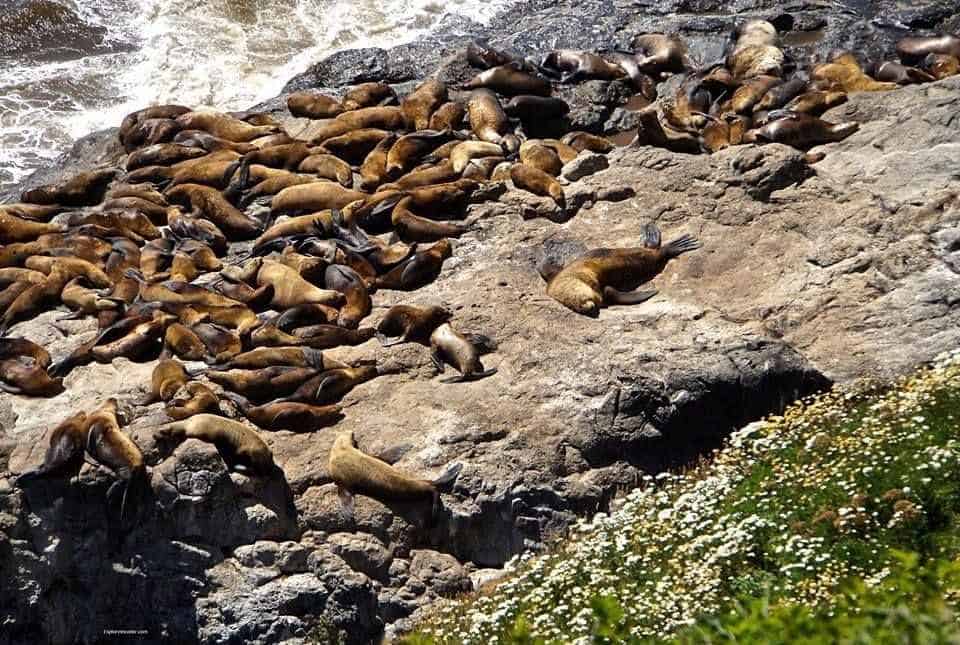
(356, 472)
(605, 277)
(462, 351)
(241, 447)
(64, 451)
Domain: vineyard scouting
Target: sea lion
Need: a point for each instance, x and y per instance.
(36, 297)
(168, 376)
(467, 150)
(33, 212)
(189, 226)
(510, 79)
(313, 105)
(152, 131)
(604, 277)
(411, 324)
(273, 185)
(753, 33)
(536, 181)
(162, 154)
(316, 336)
(83, 300)
(581, 141)
(184, 343)
(83, 189)
(801, 131)
(420, 269)
(535, 154)
(756, 60)
(373, 171)
(314, 197)
(566, 152)
(914, 49)
(356, 472)
(143, 340)
(941, 66)
(264, 383)
(438, 173)
(282, 415)
(257, 299)
(21, 347)
(221, 343)
(27, 379)
(481, 54)
(780, 94)
(262, 357)
(462, 351)
(815, 103)
(306, 315)
(125, 221)
(652, 132)
(332, 385)
(110, 447)
(224, 126)
(355, 145)
(410, 227)
(844, 73)
(298, 226)
(368, 95)
(891, 72)
(198, 399)
(409, 149)
(210, 204)
(13, 291)
(130, 122)
(290, 290)
(481, 169)
(419, 105)
(357, 305)
(327, 166)
(15, 229)
(448, 116)
(750, 92)
(488, 121)
(64, 450)
(573, 65)
(386, 119)
(530, 107)
(240, 447)
(209, 142)
(658, 54)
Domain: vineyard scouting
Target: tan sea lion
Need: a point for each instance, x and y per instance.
(368, 95)
(605, 277)
(240, 447)
(510, 79)
(83, 300)
(313, 105)
(15, 229)
(844, 73)
(327, 166)
(411, 324)
(310, 198)
(332, 385)
(941, 66)
(168, 376)
(263, 383)
(290, 289)
(65, 448)
(83, 189)
(373, 171)
(36, 297)
(189, 226)
(210, 204)
(33, 212)
(420, 269)
(816, 103)
(462, 351)
(21, 347)
(162, 154)
(652, 132)
(132, 120)
(408, 150)
(467, 150)
(657, 54)
(488, 121)
(184, 343)
(143, 340)
(438, 173)
(9, 275)
(448, 116)
(224, 126)
(357, 305)
(581, 141)
(110, 447)
(283, 415)
(419, 105)
(756, 60)
(209, 142)
(480, 54)
(801, 131)
(537, 182)
(750, 93)
(198, 399)
(221, 342)
(544, 158)
(387, 119)
(127, 221)
(355, 145)
(290, 356)
(27, 379)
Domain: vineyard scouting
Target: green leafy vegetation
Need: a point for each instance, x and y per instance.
(836, 522)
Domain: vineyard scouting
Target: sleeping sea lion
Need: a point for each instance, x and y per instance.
(488, 121)
(83, 189)
(537, 182)
(241, 448)
(419, 105)
(224, 126)
(368, 95)
(332, 385)
(510, 79)
(420, 269)
(357, 305)
(313, 105)
(210, 204)
(801, 131)
(197, 399)
(281, 415)
(64, 450)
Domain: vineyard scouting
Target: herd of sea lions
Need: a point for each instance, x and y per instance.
(225, 240)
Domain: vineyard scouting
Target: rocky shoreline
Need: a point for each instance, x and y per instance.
(809, 275)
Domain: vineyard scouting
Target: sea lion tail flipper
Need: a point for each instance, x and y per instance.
(387, 204)
(134, 492)
(681, 245)
(613, 297)
(447, 479)
(651, 235)
(387, 342)
(134, 274)
(73, 315)
(347, 502)
(437, 361)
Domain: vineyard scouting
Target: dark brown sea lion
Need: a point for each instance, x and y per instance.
(197, 399)
(529, 107)
(801, 131)
(604, 277)
(189, 226)
(110, 447)
(28, 379)
(221, 343)
(184, 343)
(488, 121)
(420, 269)
(306, 315)
(914, 49)
(779, 95)
(368, 95)
(900, 74)
(373, 171)
(300, 225)
(323, 336)
(310, 198)
(21, 347)
(411, 227)
(411, 324)
(510, 79)
(481, 54)
(224, 126)
(332, 385)
(537, 182)
(427, 175)
(370, 118)
(462, 351)
(210, 204)
(313, 105)
(573, 65)
(257, 299)
(83, 189)
(354, 146)
(65, 448)
(240, 447)
(162, 154)
(263, 357)
(285, 415)
(419, 105)
(131, 122)
(533, 153)
(142, 341)
(358, 304)
(356, 472)
(409, 149)
(661, 53)
(816, 102)
(264, 383)
(448, 116)
(327, 166)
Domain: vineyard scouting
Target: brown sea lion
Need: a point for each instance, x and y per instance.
(411, 324)
(221, 343)
(310, 198)
(420, 269)
(306, 315)
(168, 376)
(264, 383)
(409, 149)
(290, 290)
(318, 336)
(242, 449)
(184, 343)
(9, 275)
(15, 229)
(21, 347)
(151, 132)
(83, 189)
(419, 105)
(210, 204)
(257, 299)
(224, 126)
(652, 132)
(127, 221)
(448, 116)
(181, 293)
(209, 142)
(300, 225)
(462, 351)
(428, 175)
(132, 120)
(576, 65)
(581, 141)
(357, 305)
(779, 95)
(356, 472)
(488, 121)
(467, 150)
(189, 226)
(27, 379)
(197, 399)
(510, 79)
(801, 131)
(110, 447)
(83, 300)
(36, 297)
(604, 277)
(290, 356)
(313, 105)
(891, 72)
(844, 73)
(816, 103)
(141, 341)
(756, 60)
(528, 107)
(34, 212)
(329, 167)
(914, 49)
(941, 66)
(535, 154)
(537, 182)
(368, 95)
(481, 54)
(661, 53)
(282, 415)
(65, 449)
(354, 146)
(162, 154)
(750, 93)
(387, 119)
(373, 171)
(411, 227)
(331, 386)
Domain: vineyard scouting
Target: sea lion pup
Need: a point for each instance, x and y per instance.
(481, 54)
(332, 385)
(373, 171)
(241, 448)
(420, 269)
(411, 227)
(419, 105)
(462, 351)
(290, 290)
(572, 65)
(659, 54)
(816, 103)
(168, 376)
(310, 198)
(196, 398)
(356, 472)
(801, 131)
(941, 66)
(83, 189)
(536, 181)
(15, 229)
(162, 154)
(21, 347)
(410, 324)
(439, 173)
(581, 141)
(891, 72)
(64, 454)
(110, 447)
(224, 126)
(467, 150)
(488, 121)
(286, 415)
(327, 166)
(189, 226)
(533, 153)
(368, 95)
(448, 116)
(914, 49)
(605, 277)
(210, 204)
(313, 105)
(510, 79)
(357, 305)
(844, 73)
(530, 107)
(19, 377)
(290, 356)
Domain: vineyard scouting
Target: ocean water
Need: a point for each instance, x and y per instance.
(70, 67)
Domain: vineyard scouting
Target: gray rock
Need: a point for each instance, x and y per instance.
(584, 165)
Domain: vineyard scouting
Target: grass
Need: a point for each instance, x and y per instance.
(812, 525)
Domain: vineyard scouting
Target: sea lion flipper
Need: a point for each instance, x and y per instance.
(347, 502)
(437, 360)
(385, 341)
(651, 235)
(613, 297)
(446, 480)
(482, 342)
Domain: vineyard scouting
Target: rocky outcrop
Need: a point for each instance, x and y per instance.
(808, 274)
